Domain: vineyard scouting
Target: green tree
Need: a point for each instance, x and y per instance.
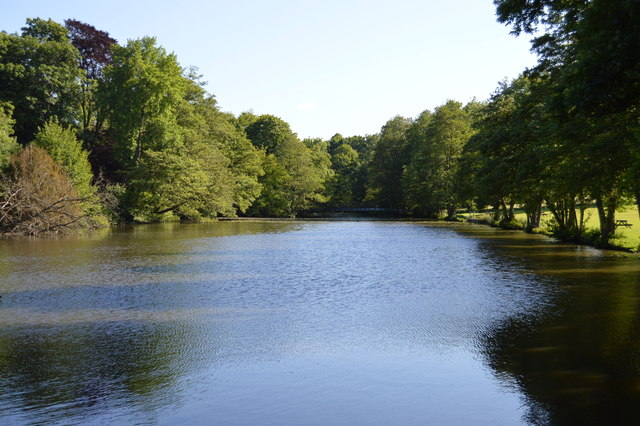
(268, 132)
(294, 174)
(8, 144)
(590, 50)
(66, 150)
(342, 186)
(391, 155)
(202, 123)
(429, 177)
(39, 76)
(143, 86)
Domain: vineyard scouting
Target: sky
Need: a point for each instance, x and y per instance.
(324, 66)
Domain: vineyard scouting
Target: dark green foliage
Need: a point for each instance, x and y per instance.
(39, 76)
(391, 155)
(268, 132)
(294, 174)
(437, 141)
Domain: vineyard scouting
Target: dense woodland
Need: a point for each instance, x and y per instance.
(94, 132)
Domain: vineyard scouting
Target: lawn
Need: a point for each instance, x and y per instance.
(625, 237)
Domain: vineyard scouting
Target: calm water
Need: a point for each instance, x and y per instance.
(317, 323)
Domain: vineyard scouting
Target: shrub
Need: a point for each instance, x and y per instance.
(37, 197)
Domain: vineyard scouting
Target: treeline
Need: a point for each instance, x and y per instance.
(124, 133)
(93, 132)
(567, 132)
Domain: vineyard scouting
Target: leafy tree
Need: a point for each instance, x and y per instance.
(65, 149)
(590, 50)
(391, 155)
(204, 125)
(429, 177)
(294, 174)
(143, 87)
(189, 184)
(342, 186)
(268, 132)
(8, 143)
(94, 47)
(39, 75)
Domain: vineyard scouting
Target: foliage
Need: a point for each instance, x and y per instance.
(294, 174)
(94, 47)
(589, 53)
(66, 151)
(37, 197)
(8, 143)
(142, 88)
(437, 141)
(39, 76)
(391, 155)
(268, 132)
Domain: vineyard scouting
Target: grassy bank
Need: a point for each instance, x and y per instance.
(624, 237)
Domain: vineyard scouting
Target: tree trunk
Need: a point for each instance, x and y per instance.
(607, 217)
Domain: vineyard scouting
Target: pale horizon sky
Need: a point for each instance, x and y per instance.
(325, 67)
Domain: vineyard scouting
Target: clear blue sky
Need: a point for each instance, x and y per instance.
(326, 67)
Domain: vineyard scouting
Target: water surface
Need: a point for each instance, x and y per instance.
(316, 323)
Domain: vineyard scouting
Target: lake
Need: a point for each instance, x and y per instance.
(317, 323)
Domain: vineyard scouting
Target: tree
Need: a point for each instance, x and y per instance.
(39, 76)
(95, 48)
(590, 51)
(268, 132)
(204, 126)
(345, 163)
(37, 197)
(66, 151)
(143, 86)
(391, 155)
(429, 177)
(294, 174)
(190, 184)
(8, 143)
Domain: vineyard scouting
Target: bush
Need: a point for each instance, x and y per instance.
(37, 197)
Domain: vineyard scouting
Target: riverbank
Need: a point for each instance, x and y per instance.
(626, 238)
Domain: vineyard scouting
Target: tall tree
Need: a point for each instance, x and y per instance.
(95, 48)
(294, 174)
(39, 75)
(143, 87)
(429, 177)
(391, 155)
(590, 49)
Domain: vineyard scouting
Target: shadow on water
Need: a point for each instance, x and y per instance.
(578, 360)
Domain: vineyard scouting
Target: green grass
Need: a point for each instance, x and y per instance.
(625, 237)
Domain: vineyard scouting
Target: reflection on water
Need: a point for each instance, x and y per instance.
(579, 361)
(316, 323)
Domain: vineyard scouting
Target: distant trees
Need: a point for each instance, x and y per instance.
(391, 155)
(437, 141)
(127, 123)
(294, 174)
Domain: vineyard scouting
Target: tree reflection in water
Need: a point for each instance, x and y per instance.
(577, 361)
